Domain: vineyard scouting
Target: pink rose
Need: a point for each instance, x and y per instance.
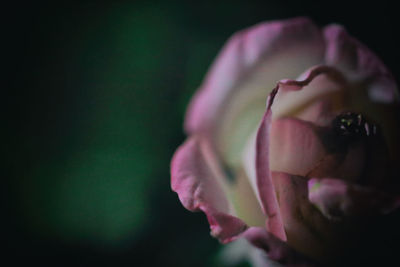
(313, 172)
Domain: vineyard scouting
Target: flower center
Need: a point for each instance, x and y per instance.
(350, 126)
(347, 129)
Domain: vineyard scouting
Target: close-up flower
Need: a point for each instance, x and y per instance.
(292, 146)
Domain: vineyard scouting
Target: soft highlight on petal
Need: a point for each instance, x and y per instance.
(317, 100)
(241, 54)
(264, 182)
(231, 101)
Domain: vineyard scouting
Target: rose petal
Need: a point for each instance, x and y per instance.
(241, 54)
(249, 162)
(370, 216)
(329, 94)
(349, 165)
(230, 102)
(317, 102)
(295, 146)
(244, 199)
(306, 229)
(337, 199)
(200, 188)
(345, 52)
(265, 185)
(321, 85)
(302, 148)
(378, 96)
(264, 182)
(351, 56)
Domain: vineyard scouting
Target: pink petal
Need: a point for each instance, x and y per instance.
(306, 78)
(249, 163)
(306, 229)
(230, 103)
(343, 50)
(351, 56)
(295, 146)
(318, 101)
(245, 51)
(337, 199)
(264, 181)
(379, 98)
(245, 201)
(199, 188)
(348, 165)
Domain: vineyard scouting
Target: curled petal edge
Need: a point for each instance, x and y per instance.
(193, 180)
(240, 56)
(200, 189)
(264, 182)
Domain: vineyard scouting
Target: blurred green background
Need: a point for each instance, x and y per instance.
(93, 100)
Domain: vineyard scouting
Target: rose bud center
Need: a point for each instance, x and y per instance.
(349, 126)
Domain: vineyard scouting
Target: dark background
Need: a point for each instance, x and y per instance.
(93, 97)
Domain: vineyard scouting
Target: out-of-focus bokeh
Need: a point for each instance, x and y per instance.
(93, 99)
